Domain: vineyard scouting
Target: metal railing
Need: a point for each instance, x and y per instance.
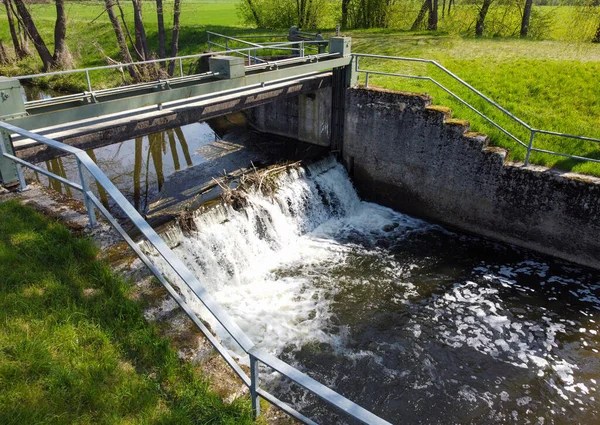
(256, 355)
(225, 42)
(245, 52)
(530, 129)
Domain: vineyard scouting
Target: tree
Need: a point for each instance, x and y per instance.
(141, 42)
(20, 52)
(481, 18)
(432, 22)
(162, 51)
(175, 36)
(429, 8)
(33, 33)
(62, 56)
(3, 54)
(345, 6)
(526, 18)
(596, 38)
(121, 41)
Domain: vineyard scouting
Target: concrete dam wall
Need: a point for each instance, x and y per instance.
(408, 155)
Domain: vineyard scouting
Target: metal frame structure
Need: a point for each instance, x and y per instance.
(224, 41)
(532, 131)
(256, 356)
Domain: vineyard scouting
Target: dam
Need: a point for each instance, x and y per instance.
(474, 316)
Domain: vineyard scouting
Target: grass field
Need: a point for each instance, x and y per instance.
(75, 349)
(550, 84)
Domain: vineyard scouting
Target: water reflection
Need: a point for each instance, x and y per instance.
(138, 167)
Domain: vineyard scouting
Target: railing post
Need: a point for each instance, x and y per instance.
(208, 41)
(89, 82)
(529, 147)
(180, 67)
(10, 171)
(86, 199)
(302, 49)
(226, 44)
(254, 386)
(249, 58)
(367, 80)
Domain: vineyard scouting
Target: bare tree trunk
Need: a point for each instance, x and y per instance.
(450, 3)
(3, 54)
(126, 56)
(61, 57)
(254, 12)
(443, 8)
(38, 41)
(526, 18)
(596, 38)
(345, 4)
(141, 42)
(175, 37)
(481, 18)
(432, 22)
(19, 53)
(421, 16)
(162, 50)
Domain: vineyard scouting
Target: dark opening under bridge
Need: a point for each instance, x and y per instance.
(233, 80)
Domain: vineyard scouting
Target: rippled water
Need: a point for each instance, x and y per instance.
(414, 322)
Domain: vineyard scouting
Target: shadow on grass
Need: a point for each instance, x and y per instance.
(75, 348)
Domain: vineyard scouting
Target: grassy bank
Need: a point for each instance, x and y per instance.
(75, 349)
(549, 84)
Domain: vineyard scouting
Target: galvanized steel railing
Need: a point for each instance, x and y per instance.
(532, 131)
(249, 52)
(297, 47)
(256, 355)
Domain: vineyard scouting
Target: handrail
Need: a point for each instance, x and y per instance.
(87, 71)
(256, 356)
(532, 131)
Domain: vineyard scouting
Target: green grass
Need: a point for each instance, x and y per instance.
(75, 349)
(550, 84)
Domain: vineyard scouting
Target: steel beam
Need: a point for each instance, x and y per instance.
(135, 97)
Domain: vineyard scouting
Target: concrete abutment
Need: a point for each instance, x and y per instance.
(408, 155)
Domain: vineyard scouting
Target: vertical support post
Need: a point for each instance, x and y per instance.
(89, 82)
(302, 49)
(529, 147)
(254, 386)
(208, 41)
(10, 171)
(249, 58)
(180, 67)
(367, 80)
(86, 199)
(226, 44)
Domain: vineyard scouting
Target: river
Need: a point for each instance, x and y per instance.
(415, 322)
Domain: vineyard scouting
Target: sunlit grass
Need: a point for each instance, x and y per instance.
(75, 349)
(549, 84)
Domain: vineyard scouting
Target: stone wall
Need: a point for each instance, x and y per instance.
(410, 156)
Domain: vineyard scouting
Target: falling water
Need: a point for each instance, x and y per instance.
(410, 320)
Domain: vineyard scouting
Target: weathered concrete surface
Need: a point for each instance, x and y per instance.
(306, 117)
(407, 155)
(107, 129)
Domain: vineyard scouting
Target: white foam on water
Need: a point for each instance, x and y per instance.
(260, 263)
(269, 265)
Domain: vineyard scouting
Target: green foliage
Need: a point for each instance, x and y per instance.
(550, 85)
(75, 349)
(284, 14)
